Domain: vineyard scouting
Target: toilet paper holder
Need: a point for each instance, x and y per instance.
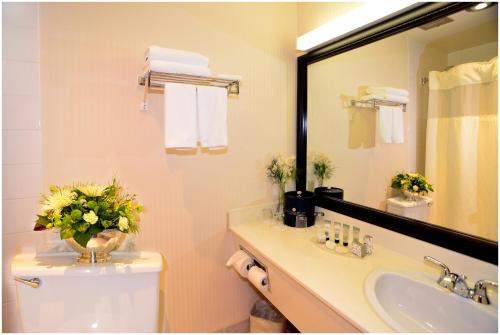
(257, 263)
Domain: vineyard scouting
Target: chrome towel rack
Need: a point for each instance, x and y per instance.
(155, 80)
(375, 103)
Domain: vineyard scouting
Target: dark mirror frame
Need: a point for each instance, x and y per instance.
(412, 17)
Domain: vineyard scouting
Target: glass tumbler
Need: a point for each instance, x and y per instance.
(301, 220)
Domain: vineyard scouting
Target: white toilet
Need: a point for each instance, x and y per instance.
(418, 210)
(120, 296)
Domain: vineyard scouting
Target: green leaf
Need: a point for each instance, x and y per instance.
(42, 220)
(96, 209)
(66, 233)
(82, 238)
(106, 223)
(67, 220)
(76, 215)
(95, 229)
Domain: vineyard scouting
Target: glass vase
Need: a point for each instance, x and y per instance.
(281, 202)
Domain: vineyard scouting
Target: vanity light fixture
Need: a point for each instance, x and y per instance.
(354, 19)
(479, 6)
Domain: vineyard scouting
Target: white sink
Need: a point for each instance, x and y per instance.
(417, 304)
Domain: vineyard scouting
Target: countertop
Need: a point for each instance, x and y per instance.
(337, 280)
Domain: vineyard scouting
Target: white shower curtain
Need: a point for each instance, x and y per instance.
(461, 147)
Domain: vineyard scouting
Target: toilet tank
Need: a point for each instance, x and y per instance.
(119, 296)
(418, 210)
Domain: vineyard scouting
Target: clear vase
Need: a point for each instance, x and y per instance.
(281, 202)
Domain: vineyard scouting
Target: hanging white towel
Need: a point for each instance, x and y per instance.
(387, 90)
(178, 56)
(385, 123)
(398, 127)
(383, 96)
(177, 68)
(180, 116)
(212, 117)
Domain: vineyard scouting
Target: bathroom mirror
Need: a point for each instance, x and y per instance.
(441, 123)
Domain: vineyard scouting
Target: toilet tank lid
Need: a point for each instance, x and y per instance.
(402, 202)
(64, 263)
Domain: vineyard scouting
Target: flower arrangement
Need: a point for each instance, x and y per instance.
(411, 182)
(84, 210)
(280, 170)
(322, 168)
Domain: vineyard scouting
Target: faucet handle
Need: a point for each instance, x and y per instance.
(478, 293)
(445, 269)
(446, 278)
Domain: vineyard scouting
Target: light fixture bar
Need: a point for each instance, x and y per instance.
(354, 19)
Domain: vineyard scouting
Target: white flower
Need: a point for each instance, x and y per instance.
(57, 200)
(90, 217)
(123, 223)
(91, 190)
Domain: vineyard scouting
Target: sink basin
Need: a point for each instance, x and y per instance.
(413, 303)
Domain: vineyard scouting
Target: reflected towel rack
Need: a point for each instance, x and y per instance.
(155, 80)
(375, 103)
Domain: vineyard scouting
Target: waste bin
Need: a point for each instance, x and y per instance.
(265, 318)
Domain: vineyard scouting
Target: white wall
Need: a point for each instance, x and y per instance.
(21, 143)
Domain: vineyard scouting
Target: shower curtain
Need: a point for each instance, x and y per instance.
(461, 147)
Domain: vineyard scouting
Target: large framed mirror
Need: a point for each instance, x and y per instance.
(407, 112)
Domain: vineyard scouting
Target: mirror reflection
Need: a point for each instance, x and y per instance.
(410, 122)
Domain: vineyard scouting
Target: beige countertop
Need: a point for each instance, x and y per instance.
(337, 280)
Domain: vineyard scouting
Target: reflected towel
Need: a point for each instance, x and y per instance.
(212, 117)
(385, 123)
(387, 90)
(177, 56)
(398, 127)
(180, 116)
(177, 68)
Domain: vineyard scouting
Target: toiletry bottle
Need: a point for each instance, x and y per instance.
(336, 228)
(345, 235)
(357, 248)
(328, 224)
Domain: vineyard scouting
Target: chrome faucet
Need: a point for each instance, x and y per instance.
(458, 285)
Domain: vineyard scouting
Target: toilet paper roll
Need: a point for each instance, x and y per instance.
(236, 256)
(258, 278)
(243, 264)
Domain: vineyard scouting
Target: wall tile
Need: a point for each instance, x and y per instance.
(21, 146)
(20, 78)
(22, 181)
(20, 15)
(18, 215)
(21, 44)
(9, 293)
(11, 322)
(20, 112)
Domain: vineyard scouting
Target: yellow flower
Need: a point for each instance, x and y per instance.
(123, 223)
(90, 217)
(59, 199)
(415, 188)
(91, 190)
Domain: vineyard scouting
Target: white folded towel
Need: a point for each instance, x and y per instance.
(234, 77)
(177, 68)
(177, 56)
(212, 117)
(180, 116)
(387, 90)
(398, 126)
(389, 97)
(385, 123)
